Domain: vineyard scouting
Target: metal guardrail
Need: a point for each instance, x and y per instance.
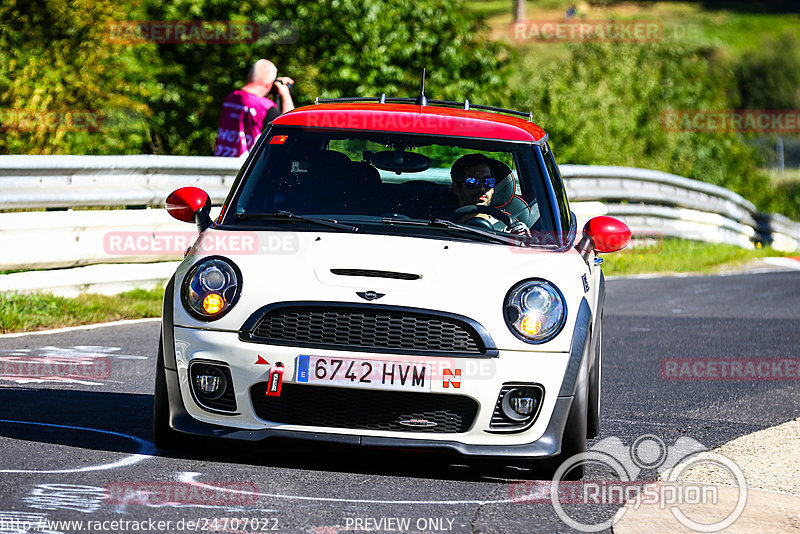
(668, 205)
(30, 182)
(652, 203)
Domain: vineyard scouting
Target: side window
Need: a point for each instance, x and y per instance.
(558, 187)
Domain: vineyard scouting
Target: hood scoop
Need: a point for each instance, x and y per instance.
(372, 273)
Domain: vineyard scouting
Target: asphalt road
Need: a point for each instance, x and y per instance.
(79, 449)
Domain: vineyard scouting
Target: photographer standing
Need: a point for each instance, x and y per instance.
(245, 110)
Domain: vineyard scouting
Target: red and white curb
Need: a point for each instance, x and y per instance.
(788, 262)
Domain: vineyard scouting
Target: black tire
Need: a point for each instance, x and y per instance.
(164, 437)
(595, 389)
(573, 442)
(574, 439)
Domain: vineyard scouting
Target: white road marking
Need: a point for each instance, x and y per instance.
(86, 499)
(82, 327)
(24, 522)
(190, 479)
(237, 508)
(146, 450)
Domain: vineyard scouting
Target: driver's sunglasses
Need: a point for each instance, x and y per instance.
(474, 183)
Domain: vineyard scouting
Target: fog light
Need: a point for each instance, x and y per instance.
(522, 405)
(519, 404)
(210, 383)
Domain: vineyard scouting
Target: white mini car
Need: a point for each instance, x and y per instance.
(390, 273)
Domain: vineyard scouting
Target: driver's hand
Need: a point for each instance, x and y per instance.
(519, 228)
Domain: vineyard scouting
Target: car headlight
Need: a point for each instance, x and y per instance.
(211, 288)
(535, 310)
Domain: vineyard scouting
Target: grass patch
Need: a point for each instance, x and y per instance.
(691, 23)
(682, 256)
(29, 312)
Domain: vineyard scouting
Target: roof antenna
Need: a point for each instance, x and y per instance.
(421, 100)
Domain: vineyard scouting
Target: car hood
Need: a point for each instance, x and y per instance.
(470, 279)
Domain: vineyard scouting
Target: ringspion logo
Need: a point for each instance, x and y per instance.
(626, 467)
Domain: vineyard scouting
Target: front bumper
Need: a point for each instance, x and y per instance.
(548, 444)
(481, 380)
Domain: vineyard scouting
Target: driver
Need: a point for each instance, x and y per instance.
(473, 183)
(474, 179)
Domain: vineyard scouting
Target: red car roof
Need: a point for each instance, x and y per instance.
(409, 118)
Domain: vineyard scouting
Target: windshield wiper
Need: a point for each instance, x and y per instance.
(444, 223)
(287, 215)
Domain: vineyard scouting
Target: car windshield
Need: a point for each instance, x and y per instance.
(394, 184)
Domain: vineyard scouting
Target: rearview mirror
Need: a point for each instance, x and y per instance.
(400, 161)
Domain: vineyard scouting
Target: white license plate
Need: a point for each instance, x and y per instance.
(370, 374)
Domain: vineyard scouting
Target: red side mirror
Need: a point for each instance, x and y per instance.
(190, 204)
(607, 233)
(183, 203)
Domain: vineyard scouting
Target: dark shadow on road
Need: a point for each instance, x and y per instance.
(131, 415)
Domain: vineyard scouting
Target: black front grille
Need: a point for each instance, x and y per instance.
(366, 329)
(364, 409)
(371, 273)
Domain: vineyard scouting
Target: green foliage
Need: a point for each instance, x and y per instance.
(601, 103)
(343, 48)
(142, 97)
(63, 87)
(604, 106)
(787, 199)
(769, 76)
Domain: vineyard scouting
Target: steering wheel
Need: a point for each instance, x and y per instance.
(498, 214)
